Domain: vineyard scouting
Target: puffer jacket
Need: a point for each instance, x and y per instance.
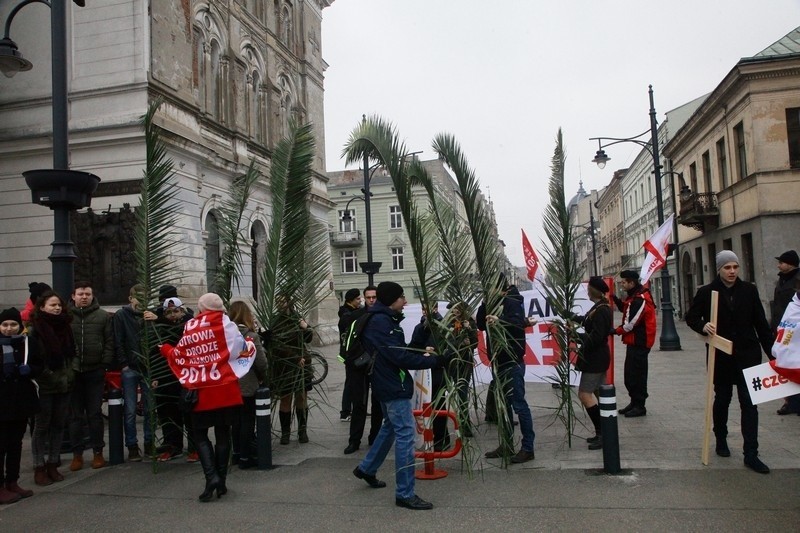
(94, 338)
(258, 372)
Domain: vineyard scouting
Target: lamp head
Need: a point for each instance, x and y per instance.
(346, 216)
(11, 61)
(600, 159)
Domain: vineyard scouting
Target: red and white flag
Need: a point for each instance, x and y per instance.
(656, 246)
(211, 352)
(531, 259)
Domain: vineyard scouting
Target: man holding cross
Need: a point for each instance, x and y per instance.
(742, 320)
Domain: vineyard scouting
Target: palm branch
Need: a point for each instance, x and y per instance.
(230, 233)
(155, 240)
(563, 280)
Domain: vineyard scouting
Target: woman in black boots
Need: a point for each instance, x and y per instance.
(594, 357)
(18, 400)
(290, 368)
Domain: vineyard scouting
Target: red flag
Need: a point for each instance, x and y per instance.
(657, 246)
(531, 259)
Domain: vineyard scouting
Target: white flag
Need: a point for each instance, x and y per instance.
(656, 246)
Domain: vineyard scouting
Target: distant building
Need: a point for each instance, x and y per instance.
(738, 157)
(390, 244)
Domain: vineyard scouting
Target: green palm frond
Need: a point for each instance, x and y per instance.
(375, 139)
(564, 279)
(230, 232)
(296, 243)
(155, 241)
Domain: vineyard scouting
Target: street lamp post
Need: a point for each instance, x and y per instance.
(59, 188)
(669, 340)
(370, 267)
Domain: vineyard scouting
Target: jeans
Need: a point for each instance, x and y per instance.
(398, 425)
(48, 429)
(513, 378)
(131, 380)
(86, 406)
(636, 374)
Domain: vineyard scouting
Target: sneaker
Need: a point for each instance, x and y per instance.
(168, 456)
(345, 418)
(134, 454)
(192, 457)
(98, 461)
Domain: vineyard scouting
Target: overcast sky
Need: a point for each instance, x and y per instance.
(502, 77)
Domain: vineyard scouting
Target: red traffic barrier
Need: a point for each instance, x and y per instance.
(428, 453)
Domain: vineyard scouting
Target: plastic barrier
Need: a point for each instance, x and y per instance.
(116, 414)
(428, 453)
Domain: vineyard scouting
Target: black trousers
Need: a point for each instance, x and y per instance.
(359, 395)
(723, 394)
(172, 419)
(636, 374)
(86, 404)
(11, 434)
(244, 429)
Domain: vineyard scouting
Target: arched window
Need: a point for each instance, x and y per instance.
(286, 26)
(287, 105)
(212, 251)
(256, 108)
(214, 88)
(259, 235)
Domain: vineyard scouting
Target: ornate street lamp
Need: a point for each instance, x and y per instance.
(59, 188)
(669, 340)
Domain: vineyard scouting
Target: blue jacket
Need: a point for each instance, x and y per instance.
(390, 377)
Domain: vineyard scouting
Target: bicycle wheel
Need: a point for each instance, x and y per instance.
(319, 366)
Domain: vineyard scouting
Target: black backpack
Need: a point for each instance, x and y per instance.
(354, 351)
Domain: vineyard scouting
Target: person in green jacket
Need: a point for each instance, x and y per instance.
(94, 343)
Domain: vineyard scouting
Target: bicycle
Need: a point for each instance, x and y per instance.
(319, 367)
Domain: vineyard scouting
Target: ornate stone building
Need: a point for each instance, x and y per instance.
(232, 75)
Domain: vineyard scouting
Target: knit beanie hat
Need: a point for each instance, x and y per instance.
(388, 292)
(598, 283)
(630, 275)
(167, 291)
(725, 257)
(11, 314)
(210, 302)
(351, 295)
(790, 258)
(37, 288)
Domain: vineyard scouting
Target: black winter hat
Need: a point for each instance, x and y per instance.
(629, 274)
(388, 292)
(351, 295)
(167, 291)
(38, 288)
(790, 258)
(11, 314)
(598, 283)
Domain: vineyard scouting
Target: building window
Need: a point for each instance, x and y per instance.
(741, 152)
(395, 217)
(712, 255)
(722, 163)
(693, 177)
(258, 233)
(349, 262)
(793, 135)
(698, 261)
(727, 244)
(397, 258)
(347, 223)
(747, 257)
(706, 161)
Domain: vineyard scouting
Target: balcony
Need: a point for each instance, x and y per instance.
(698, 210)
(346, 239)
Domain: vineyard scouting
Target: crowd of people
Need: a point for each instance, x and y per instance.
(57, 354)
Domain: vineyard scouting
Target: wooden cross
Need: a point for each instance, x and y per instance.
(715, 342)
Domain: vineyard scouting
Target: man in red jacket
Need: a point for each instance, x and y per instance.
(638, 331)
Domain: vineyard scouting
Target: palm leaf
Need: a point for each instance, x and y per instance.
(230, 233)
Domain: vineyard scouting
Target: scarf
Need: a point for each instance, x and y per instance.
(56, 336)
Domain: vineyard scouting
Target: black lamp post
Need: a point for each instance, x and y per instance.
(669, 340)
(59, 188)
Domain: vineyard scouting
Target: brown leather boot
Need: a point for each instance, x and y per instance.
(77, 462)
(6, 496)
(40, 477)
(98, 461)
(13, 486)
(53, 473)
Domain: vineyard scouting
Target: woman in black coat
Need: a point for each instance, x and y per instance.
(18, 400)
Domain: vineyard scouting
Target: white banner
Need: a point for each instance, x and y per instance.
(541, 352)
(765, 384)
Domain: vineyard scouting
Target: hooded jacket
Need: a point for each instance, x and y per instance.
(391, 379)
(94, 338)
(513, 321)
(638, 326)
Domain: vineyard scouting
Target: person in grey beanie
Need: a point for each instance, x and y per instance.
(742, 320)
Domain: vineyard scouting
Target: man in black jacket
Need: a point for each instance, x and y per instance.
(94, 343)
(352, 302)
(508, 366)
(788, 283)
(740, 319)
